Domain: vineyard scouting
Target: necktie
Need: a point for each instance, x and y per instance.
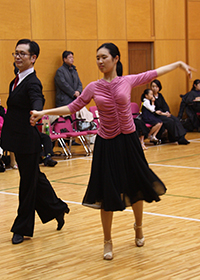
(16, 81)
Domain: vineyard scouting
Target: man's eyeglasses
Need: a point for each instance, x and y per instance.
(20, 54)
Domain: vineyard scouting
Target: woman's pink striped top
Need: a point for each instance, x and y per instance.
(113, 101)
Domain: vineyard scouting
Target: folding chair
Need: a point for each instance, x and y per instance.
(89, 132)
(136, 112)
(56, 137)
(64, 126)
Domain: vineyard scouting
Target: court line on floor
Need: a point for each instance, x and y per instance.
(165, 165)
(174, 166)
(127, 210)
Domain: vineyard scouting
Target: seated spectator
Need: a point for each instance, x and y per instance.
(176, 131)
(47, 151)
(191, 104)
(148, 115)
(12, 161)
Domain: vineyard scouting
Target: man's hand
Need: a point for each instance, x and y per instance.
(77, 93)
(35, 116)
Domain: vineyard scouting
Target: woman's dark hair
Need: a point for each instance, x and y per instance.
(146, 92)
(114, 51)
(158, 83)
(195, 83)
(33, 46)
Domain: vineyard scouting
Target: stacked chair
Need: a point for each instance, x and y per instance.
(56, 136)
(64, 128)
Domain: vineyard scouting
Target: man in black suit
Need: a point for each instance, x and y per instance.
(18, 136)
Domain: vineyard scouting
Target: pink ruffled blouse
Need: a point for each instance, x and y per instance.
(113, 101)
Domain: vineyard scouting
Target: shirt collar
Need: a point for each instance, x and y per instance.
(24, 74)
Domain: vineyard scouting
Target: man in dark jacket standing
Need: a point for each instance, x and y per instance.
(68, 84)
(18, 136)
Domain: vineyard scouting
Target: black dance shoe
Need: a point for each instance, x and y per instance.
(17, 238)
(60, 219)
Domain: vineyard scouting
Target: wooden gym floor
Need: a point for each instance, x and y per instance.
(171, 226)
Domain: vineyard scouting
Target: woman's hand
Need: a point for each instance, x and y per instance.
(197, 98)
(35, 116)
(158, 112)
(168, 114)
(187, 68)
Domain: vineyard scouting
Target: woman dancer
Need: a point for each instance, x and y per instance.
(120, 175)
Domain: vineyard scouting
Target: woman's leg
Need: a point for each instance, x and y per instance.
(154, 130)
(158, 126)
(106, 219)
(138, 213)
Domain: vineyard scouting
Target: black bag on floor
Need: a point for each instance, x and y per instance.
(84, 125)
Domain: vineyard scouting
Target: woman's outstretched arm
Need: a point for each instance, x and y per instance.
(36, 115)
(170, 67)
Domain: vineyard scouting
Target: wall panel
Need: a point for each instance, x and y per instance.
(194, 59)
(83, 25)
(50, 99)
(170, 19)
(48, 20)
(139, 24)
(4, 97)
(49, 60)
(6, 65)
(193, 20)
(111, 18)
(174, 83)
(14, 19)
(81, 19)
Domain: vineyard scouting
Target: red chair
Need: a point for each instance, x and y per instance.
(135, 109)
(1, 121)
(64, 126)
(56, 137)
(136, 112)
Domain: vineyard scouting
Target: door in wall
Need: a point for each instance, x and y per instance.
(140, 57)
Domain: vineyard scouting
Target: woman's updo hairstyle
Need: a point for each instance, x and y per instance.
(114, 51)
(158, 83)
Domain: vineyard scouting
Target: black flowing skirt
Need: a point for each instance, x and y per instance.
(120, 175)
